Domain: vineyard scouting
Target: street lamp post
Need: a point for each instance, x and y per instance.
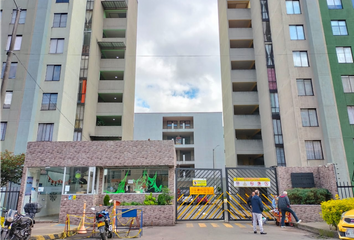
(214, 156)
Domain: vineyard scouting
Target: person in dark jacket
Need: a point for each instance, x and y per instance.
(257, 209)
(284, 206)
(249, 200)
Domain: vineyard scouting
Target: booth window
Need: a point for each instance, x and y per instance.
(80, 180)
(135, 180)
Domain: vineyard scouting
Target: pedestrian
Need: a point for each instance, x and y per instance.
(275, 202)
(249, 200)
(257, 209)
(284, 206)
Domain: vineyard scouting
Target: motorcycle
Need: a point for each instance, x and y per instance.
(18, 226)
(104, 223)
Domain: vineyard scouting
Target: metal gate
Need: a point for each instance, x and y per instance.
(9, 198)
(199, 203)
(251, 179)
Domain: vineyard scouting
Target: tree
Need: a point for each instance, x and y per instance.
(11, 167)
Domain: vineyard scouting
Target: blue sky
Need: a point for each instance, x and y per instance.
(178, 63)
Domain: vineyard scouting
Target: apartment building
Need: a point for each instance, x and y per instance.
(198, 137)
(279, 103)
(70, 77)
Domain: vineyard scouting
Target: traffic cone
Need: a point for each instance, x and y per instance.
(82, 229)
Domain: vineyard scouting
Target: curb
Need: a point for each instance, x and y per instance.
(321, 232)
(47, 237)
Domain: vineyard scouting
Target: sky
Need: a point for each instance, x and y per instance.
(178, 63)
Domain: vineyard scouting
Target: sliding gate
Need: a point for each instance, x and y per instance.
(199, 194)
(241, 182)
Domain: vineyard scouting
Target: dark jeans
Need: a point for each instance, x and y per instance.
(283, 211)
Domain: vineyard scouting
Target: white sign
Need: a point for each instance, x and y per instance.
(130, 181)
(67, 188)
(251, 182)
(40, 189)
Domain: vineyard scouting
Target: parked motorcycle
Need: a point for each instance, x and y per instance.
(103, 222)
(18, 226)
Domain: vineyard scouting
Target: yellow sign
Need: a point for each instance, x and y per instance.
(201, 190)
(251, 182)
(199, 182)
(74, 197)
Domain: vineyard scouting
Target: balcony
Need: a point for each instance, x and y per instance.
(240, 33)
(109, 108)
(243, 76)
(244, 87)
(108, 131)
(245, 98)
(247, 122)
(110, 86)
(249, 146)
(114, 33)
(114, 4)
(240, 23)
(243, 65)
(112, 64)
(246, 109)
(242, 54)
(112, 75)
(239, 14)
(114, 23)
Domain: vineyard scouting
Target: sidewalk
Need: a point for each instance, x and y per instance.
(47, 231)
(320, 228)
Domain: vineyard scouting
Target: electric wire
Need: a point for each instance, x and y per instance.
(57, 108)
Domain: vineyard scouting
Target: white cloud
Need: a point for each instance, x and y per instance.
(178, 66)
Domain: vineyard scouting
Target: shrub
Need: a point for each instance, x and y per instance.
(332, 210)
(308, 195)
(150, 200)
(106, 201)
(165, 197)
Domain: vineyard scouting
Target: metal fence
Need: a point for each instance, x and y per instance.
(9, 197)
(237, 195)
(200, 206)
(345, 190)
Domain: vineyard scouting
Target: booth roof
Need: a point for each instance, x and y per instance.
(101, 153)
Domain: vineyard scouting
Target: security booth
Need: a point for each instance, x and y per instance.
(61, 176)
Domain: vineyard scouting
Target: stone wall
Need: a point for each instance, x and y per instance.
(308, 213)
(324, 177)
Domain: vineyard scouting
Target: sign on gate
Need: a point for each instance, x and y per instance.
(199, 182)
(201, 190)
(251, 182)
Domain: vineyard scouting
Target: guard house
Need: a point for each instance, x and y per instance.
(62, 175)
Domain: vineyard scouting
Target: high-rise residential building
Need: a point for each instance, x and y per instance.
(282, 65)
(72, 75)
(198, 136)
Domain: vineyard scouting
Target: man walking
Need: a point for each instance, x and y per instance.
(284, 206)
(249, 200)
(257, 209)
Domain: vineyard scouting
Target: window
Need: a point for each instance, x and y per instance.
(339, 28)
(187, 124)
(60, 20)
(278, 135)
(3, 130)
(45, 132)
(313, 150)
(77, 136)
(272, 80)
(274, 102)
(18, 41)
(300, 59)
(49, 101)
(264, 7)
(172, 124)
(293, 7)
(56, 45)
(348, 84)
(8, 99)
(62, 1)
(81, 180)
(280, 156)
(297, 32)
(334, 4)
(269, 55)
(351, 114)
(13, 69)
(309, 118)
(22, 19)
(140, 180)
(344, 54)
(53, 73)
(304, 87)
